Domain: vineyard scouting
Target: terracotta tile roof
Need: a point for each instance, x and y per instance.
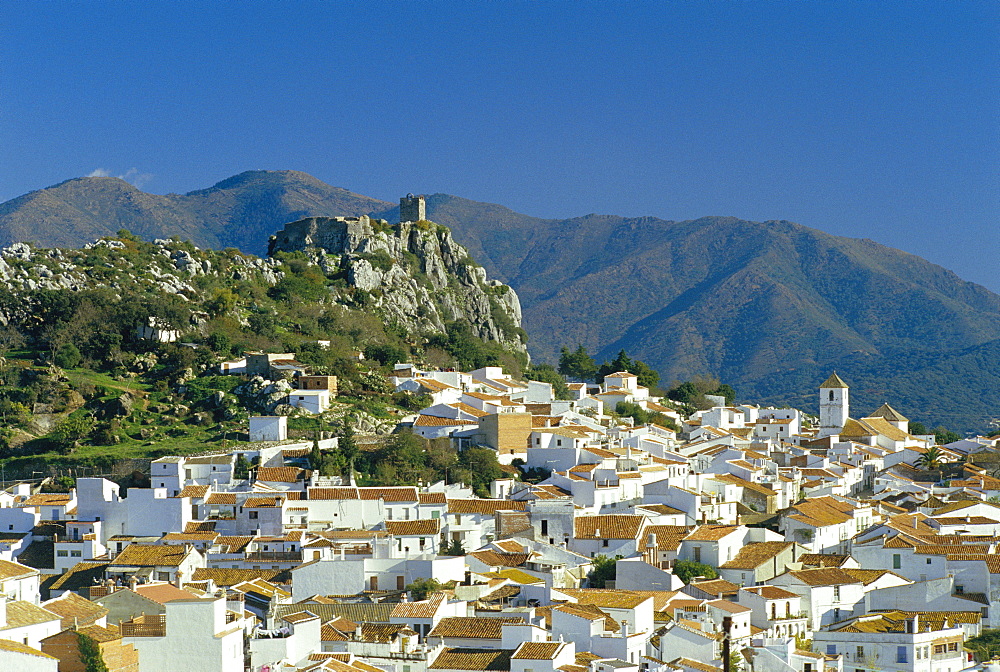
(399, 494)
(432, 498)
(537, 650)
(74, 609)
(425, 609)
(424, 420)
(329, 633)
(200, 526)
(281, 474)
(771, 592)
(408, 528)
(233, 544)
(753, 555)
(823, 560)
(225, 578)
(190, 536)
(17, 647)
(263, 502)
(711, 532)
(716, 586)
(46, 499)
(488, 660)
(473, 627)
(193, 491)
(611, 526)
(606, 598)
(589, 612)
(79, 576)
(356, 612)
(868, 576)
(333, 493)
(668, 537)
(484, 506)
(21, 614)
(162, 592)
(497, 559)
(15, 570)
(221, 498)
(822, 512)
(299, 617)
(824, 576)
(896, 621)
(150, 555)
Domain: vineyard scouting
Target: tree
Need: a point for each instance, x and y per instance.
(454, 548)
(578, 364)
(544, 373)
(67, 356)
(646, 376)
(603, 571)
(348, 446)
(483, 466)
(421, 588)
(241, 469)
(68, 433)
(686, 570)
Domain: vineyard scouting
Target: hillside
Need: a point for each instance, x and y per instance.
(76, 379)
(769, 307)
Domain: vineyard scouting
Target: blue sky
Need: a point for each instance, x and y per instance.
(866, 119)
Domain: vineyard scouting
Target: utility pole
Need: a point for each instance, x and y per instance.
(727, 627)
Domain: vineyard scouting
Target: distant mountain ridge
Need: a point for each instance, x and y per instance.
(769, 307)
(241, 211)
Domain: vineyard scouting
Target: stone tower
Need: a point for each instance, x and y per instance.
(834, 409)
(412, 208)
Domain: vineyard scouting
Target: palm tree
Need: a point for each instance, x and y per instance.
(931, 460)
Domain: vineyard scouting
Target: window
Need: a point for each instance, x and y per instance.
(558, 443)
(162, 576)
(938, 648)
(697, 553)
(62, 554)
(953, 646)
(896, 561)
(545, 527)
(959, 589)
(253, 515)
(901, 654)
(75, 554)
(836, 614)
(604, 542)
(836, 593)
(928, 561)
(861, 653)
(918, 653)
(434, 516)
(831, 649)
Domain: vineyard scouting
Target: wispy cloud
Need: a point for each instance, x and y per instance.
(136, 178)
(133, 175)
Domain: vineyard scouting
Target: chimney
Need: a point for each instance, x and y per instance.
(597, 532)
(913, 625)
(178, 576)
(357, 632)
(624, 629)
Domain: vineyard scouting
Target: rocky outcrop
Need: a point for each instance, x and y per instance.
(415, 272)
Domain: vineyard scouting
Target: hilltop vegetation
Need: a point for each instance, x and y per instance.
(78, 386)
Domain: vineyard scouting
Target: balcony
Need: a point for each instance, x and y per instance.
(147, 625)
(273, 556)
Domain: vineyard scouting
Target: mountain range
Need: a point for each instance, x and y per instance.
(769, 307)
